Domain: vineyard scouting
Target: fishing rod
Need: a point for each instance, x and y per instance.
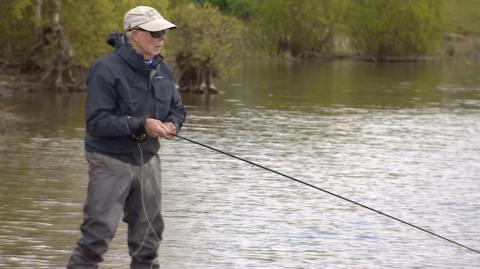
(328, 192)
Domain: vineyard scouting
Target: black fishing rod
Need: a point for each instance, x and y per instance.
(329, 192)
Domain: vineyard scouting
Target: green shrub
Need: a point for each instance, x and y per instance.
(299, 28)
(392, 28)
(87, 24)
(16, 28)
(207, 44)
(238, 8)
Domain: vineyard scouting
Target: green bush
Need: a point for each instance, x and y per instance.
(300, 28)
(392, 28)
(16, 28)
(464, 16)
(85, 23)
(238, 8)
(207, 44)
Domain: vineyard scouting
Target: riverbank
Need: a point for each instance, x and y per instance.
(453, 45)
(11, 82)
(8, 120)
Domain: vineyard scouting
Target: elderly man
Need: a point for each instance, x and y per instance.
(131, 102)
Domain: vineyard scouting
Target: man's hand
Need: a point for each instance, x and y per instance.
(171, 129)
(156, 128)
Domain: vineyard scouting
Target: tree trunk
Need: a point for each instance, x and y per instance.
(59, 71)
(196, 75)
(38, 17)
(56, 14)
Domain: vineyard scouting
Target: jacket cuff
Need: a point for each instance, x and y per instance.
(137, 125)
(177, 123)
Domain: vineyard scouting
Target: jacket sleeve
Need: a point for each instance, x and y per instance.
(101, 106)
(177, 112)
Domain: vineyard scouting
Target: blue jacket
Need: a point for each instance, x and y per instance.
(121, 94)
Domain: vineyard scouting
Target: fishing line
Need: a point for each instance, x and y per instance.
(328, 192)
(142, 198)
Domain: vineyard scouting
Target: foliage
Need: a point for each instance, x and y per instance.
(391, 28)
(301, 28)
(16, 27)
(241, 9)
(464, 16)
(207, 44)
(88, 39)
(306, 28)
(86, 24)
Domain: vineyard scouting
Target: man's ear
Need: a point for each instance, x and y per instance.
(134, 36)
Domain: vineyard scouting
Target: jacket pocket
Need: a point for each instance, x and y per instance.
(163, 93)
(132, 97)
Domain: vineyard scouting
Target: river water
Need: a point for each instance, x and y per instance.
(401, 138)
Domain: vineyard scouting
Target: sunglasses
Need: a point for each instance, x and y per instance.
(156, 34)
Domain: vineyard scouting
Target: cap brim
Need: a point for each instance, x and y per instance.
(157, 25)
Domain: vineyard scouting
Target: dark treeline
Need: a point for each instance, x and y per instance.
(55, 38)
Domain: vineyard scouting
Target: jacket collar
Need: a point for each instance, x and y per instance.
(125, 50)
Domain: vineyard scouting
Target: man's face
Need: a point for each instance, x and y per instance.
(148, 43)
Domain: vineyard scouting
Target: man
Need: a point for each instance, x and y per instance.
(131, 102)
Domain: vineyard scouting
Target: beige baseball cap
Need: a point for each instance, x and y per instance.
(146, 18)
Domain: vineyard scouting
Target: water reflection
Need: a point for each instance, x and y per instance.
(400, 138)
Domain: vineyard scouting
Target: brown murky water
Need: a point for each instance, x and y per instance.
(401, 138)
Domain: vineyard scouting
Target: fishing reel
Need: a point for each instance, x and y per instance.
(139, 137)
